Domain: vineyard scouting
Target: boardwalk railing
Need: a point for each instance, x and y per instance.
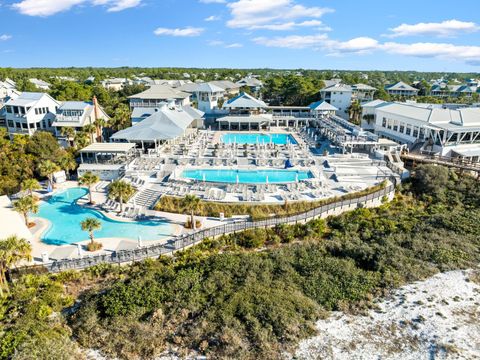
(183, 241)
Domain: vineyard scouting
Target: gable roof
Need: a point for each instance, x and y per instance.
(249, 81)
(400, 86)
(337, 87)
(374, 103)
(363, 87)
(209, 87)
(29, 98)
(244, 100)
(162, 92)
(225, 84)
(322, 106)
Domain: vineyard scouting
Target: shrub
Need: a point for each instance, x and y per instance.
(94, 246)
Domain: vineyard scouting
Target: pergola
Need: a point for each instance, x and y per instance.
(252, 122)
(107, 153)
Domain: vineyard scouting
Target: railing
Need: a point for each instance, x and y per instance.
(443, 160)
(183, 241)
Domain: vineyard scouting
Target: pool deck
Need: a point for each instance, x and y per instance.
(109, 244)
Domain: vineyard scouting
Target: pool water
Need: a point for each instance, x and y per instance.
(65, 216)
(239, 138)
(247, 176)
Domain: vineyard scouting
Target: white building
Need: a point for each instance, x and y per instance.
(40, 84)
(116, 84)
(340, 96)
(401, 89)
(154, 96)
(76, 115)
(208, 95)
(30, 112)
(446, 132)
(369, 114)
(252, 83)
(363, 92)
(245, 113)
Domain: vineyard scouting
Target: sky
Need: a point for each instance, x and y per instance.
(421, 35)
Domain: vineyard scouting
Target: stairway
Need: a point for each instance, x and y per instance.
(146, 198)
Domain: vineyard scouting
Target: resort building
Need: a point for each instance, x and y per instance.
(340, 96)
(252, 83)
(116, 84)
(167, 122)
(230, 88)
(77, 115)
(433, 129)
(322, 109)
(245, 113)
(208, 96)
(40, 84)
(368, 119)
(401, 89)
(363, 92)
(154, 96)
(29, 112)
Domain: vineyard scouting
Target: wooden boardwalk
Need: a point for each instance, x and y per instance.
(463, 165)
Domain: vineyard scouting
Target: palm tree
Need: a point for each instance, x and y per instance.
(355, 110)
(48, 168)
(12, 250)
(90, 129)
(191, 203)
(121, 117)
(120, 191)
(30, 185)
(99, 123)
(89, 179)
(91, 225)
(69, 133)
(82, 139)
(24, 206)
(67, 162)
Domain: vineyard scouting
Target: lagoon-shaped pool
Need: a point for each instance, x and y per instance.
(64, 216)
(247, 176)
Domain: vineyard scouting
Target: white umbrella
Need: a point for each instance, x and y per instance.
(296, 177)
(79, 249)
(140, 241)
(204, 177)
(238, 179)
(266, 180)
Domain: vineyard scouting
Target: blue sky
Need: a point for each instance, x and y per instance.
(423, 35)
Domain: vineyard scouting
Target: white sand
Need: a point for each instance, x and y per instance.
(438, 318)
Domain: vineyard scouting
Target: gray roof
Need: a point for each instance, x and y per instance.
(244, 100)
(39, 82)
(337, 87)
(160, 92)
(225, 84)
(443, 118)
(400, 86)
(249, 81)
(190, 87)
(74, 105)
(363, 87)
(209, 87)
(374, 103)
(143, 112)
(165, 124)
(110, 147)
(28, 98)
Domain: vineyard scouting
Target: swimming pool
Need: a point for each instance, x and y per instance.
(257, 138)
(64, 215)
(247, 176)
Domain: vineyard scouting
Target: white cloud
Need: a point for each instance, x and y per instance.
(185, 32)
(234, 45)
(5, 37)
(293, 41)
(287, 25)
(223, 44)
(213, 1)
(212, 18)
(270, 14)
(446, 28)
(468, 54)
(51, 7)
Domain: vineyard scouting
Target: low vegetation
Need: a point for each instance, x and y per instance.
(255, 211)
(253, 294)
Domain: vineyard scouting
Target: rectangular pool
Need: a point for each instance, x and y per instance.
(258, 138)
(247, 176)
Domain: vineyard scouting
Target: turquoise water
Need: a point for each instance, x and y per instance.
(239, 138)
(247, 176)
(65, 216)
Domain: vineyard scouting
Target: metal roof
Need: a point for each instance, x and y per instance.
(322, 106)
(110, 147)
(162, 92)
(244, 100)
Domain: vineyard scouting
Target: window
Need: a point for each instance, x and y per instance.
(415, 131)
(395, 125)
(402, 128)
(36, 111)
(384, 122)
(409, 130)
(9, 109)
(10, 124)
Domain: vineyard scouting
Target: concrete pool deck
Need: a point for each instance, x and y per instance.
(111, 244)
